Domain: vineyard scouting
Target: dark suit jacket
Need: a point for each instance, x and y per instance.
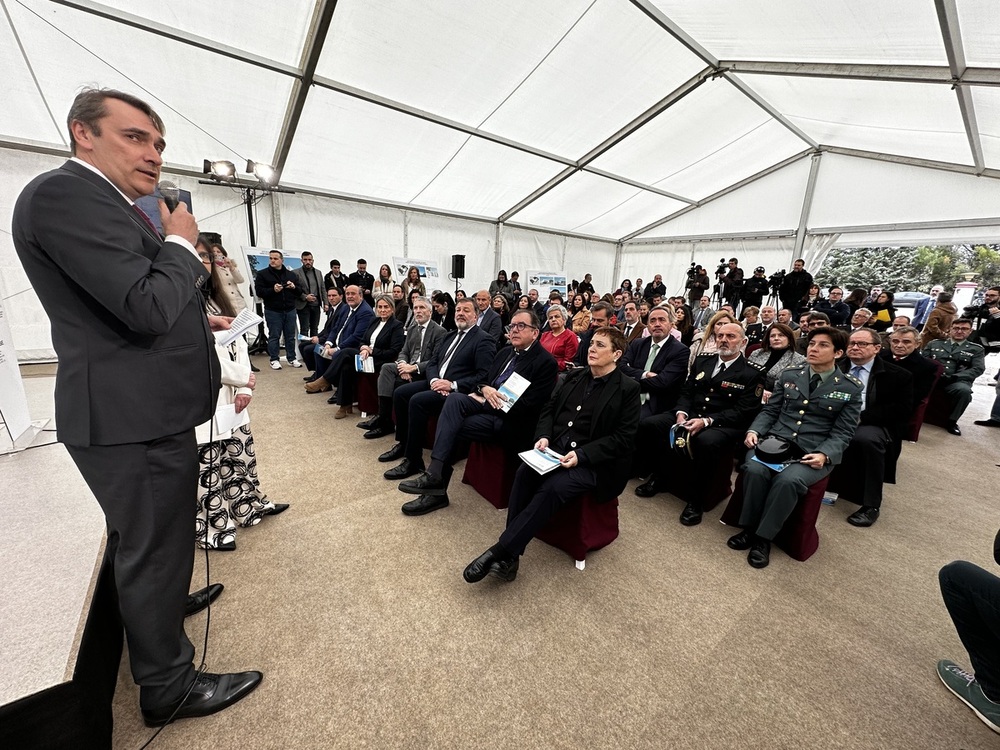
(539, 368)
(128, 320)
(888, 396)
(355, 326)
(922, 371)
(635, 333)
(333, 324)
(432, 339)
(730, 400)
(612, 431)
(670, 366)
(469, 364)
(492, 325)
(387, 344)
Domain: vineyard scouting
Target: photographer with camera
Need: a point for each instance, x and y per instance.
(732, 284)
(697, 283)
(972, 597)
(755, 288)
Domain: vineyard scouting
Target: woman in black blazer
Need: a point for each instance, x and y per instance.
(381, 343)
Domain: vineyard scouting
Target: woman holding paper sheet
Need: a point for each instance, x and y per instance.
(591, 421)
(228, 489)
(381, 343)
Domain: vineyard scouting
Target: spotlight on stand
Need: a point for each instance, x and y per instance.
(220, 171)
(263, 172)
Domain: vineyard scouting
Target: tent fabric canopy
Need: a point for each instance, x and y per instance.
(544, 134)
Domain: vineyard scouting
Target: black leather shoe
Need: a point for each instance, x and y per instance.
(478, 568)
(987, 423)
(760, 553)
(866, 515)
(740, 541)
(953, 428)
(310, 376)
(406, 469)
(378, 431)
(648, 488)
(201, 598)
(211, 693)
(367, 424)
(425, 484)
(332, 399)
(690, 516)
(393, 454)
(278, 508)
(506, 569)
(425, 504)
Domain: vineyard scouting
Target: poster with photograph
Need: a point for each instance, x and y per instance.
(429, 271)
(544, 282)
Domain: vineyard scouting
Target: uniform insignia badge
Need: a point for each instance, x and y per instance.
(760, 391)
(836, 379)
(699, 376)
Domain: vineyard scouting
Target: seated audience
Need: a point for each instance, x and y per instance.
(501, 308)
(717, 404)
(807, 323)
(630, 326)
(591, 421)
(400, 303)
(857, 299)
(336, 314)
(487, 318)
(600, 316)
(558, 340)
(422, 340)
(752, 326)
(809, 302)
(815, 409)
(904, 351)
(859, 320)
(359, 315)
(883, 311)
(381, 342)
(776, 355)
(579, 314)
(886, 408)
(703, 313)
(658, 363)
(785, 316)
(683, 324)
(459, 365)
(480, 416)
(972, 597)
(963, 362)
(835, 308)
(444, 310)
(502, 286)
(704, 341)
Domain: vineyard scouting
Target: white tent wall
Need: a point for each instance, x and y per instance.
(432, 237)
(524, 249)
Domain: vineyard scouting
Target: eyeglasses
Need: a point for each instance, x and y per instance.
(204, 256)
(521, 326)
(861, 343)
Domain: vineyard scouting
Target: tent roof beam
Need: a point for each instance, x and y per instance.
(912, 161)
(947, 13)
(939, 74)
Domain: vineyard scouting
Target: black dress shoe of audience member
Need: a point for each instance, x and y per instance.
(278, 508)
(740, 541)
(480, 567)
(866, 515)
(425, 504)
(201, 598)
(393, 454)
(648, 488)
(367, 424)
(987, 423)
(310, 376)
(953, 428)
(760, 553)
(405, 469)
(505, 569)
(425, 484)
(690, 516)
(211, 693)
(332, 399)
(378, 431)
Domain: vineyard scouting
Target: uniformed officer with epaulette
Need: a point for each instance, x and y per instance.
(755, 288)
(718, 401)
(816, 407)
(963, 361)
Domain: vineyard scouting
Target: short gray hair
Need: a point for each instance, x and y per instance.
(559, 309)
(388, 299)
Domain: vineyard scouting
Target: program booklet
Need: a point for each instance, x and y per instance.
(541, 461)
(364, 365)
(512, 390)
(245, 321)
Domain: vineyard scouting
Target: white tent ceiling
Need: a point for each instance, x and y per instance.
(627, 120)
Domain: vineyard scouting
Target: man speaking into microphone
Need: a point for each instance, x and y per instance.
(125, 309)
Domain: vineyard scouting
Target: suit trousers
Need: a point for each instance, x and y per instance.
(388, 379)
(308, 354)
(705, 449)
(534, 499)
(148, 492)
(972, 597)
(769, 497)
(280, 324)
(343, 358)
(309, 320)
(960, 396)
(866, 455)
(463, 419)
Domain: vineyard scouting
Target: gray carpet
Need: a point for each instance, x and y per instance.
(369, 637)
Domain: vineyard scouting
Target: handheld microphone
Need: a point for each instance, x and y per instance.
(170, 193)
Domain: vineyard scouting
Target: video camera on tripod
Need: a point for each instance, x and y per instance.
(693, 271)
(723, 268)
(775, 280)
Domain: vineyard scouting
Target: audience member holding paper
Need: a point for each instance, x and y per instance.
(503, 408)
(591, 420)
(228, 489)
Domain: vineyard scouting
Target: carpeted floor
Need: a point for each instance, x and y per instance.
(369, 637)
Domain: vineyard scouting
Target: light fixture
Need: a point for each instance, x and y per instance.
(263, 172)
(222, 171)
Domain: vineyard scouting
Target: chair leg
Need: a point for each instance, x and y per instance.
(581, 564)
